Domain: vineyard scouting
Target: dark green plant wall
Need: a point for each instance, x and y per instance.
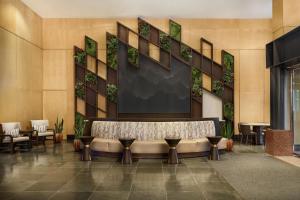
(112, 48)
(175, 30)
(196, 82)
(90, 46)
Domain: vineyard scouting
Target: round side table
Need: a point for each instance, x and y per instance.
(172, 156)
(214, 151)
(86, 153)
(126, 155)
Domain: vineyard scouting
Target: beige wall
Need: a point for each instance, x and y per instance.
(245, 39)
(20, 63)
(286, 16)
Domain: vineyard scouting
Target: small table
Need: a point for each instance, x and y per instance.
(214, 151)
(126, 155)
(86, 154)
(258, 128)
(172, 156)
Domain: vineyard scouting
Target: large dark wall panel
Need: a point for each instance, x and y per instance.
(151, 88)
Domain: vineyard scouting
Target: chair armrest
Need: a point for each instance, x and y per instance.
(2, 136)
(51, 129)
(26, 133)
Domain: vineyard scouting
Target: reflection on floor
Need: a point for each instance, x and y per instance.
(57, 173)
(293, 160)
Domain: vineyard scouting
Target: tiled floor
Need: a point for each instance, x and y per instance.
(57, 173)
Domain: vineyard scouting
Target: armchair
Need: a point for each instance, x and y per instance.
(12, 136)
(41, 131)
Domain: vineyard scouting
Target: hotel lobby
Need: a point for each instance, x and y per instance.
(152, 100)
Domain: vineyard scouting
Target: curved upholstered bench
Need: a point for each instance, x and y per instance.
(150, 137)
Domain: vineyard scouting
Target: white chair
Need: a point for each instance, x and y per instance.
(42, 131)
(11, 136)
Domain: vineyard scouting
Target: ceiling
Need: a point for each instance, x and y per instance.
(151, 8)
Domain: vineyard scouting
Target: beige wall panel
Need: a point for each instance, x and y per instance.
(55, 69)
(8, 15)
(80, 106)
(288, 28)
(251, 106)
(30, 107)
(252, 65)
(102, 70)
(54, 104)
(52, 38)
(206, 82)
(72, 32)
(133, 40)
(255, 39)
(101, 114)
(102, 102)
(255, 24)
(221, 38)
(8, 104)
(277, 14)
(102, 55)
(209, 23)
(291, 14)
(29, 66)
(279, 32)
(70, 112)
(8, 57)
(28, 24)
(154, 52)
(91, 63)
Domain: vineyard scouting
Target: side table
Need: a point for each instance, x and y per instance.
(214, 151)
(126, 155)
(172, 156)
(86, 153)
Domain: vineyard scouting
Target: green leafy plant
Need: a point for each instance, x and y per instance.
(218, 87)
(133, 56)
(80, 58)
(79, 90)
(175, 30)
(186, 53)
(79, 125)
(228, 61)
(228, 130)
(90, 46)
(112, 48)
(228, 77)
(91, 78)
(197, 82)
(112, 92)
(144, 29)
(59, 125)
(164, 41)
(228, 111)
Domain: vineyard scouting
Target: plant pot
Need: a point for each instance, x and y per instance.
(229, 145)
(58, 137)
(76, 145)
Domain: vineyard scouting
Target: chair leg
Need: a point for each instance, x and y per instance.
(247, 139)
(241, 139)
(12, 148)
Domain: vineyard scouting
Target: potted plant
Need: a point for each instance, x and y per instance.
(112, 92)
(59, 126)
(164, 41)
(78, 130)
(112, 48)
(228, 133)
